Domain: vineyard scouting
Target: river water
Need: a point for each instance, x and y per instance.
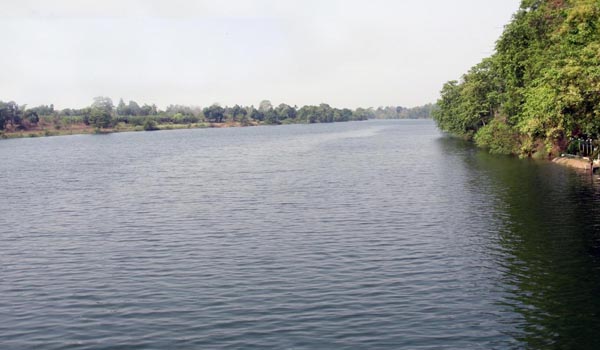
(378, 235)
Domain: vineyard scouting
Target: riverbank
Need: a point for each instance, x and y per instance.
(79, 129)
(576, 163)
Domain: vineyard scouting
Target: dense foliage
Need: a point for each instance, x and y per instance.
(539, 89)
(103, 114)
(390, 112)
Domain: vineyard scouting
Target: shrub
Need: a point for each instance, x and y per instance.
(150, 125)
(498, 137)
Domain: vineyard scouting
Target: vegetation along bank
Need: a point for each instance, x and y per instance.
(539, 91)
(103, 116)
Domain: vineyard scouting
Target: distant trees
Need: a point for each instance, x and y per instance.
(103, 103)
(134, 109)
(398, 112)
(43, 110)
(255, 114)
(237, 113)
(184, 110)
(100, 118)
(363, 114)
(265, 113)
(10, 114)
(342, 115)
(122, 108)
(214, 113)
(148, 110)
(32, 116)
(102, 114)
(285, 112)
(265, 106)
(150, 125)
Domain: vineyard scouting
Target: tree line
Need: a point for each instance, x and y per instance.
(541, 87)
(398, 112)
(103, 113)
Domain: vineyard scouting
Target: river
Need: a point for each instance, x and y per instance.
(378, 235)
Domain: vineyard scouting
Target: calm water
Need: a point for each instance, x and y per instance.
(351, 235)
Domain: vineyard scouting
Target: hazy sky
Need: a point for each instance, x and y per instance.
(346, 53)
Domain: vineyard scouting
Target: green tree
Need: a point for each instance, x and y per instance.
(103, 103)
(122, 108)
(265, 106)
(285, 111)
(32, 116)
(214, 113)
(100, 118)
(150, 125)
(238, 112)
(10, 113)
(133, 108)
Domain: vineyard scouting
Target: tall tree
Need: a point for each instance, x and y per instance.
(103, 103)
(122, 108)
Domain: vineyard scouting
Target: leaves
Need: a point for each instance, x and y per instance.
(544, 77)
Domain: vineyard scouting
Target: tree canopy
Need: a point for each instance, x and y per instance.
(103, 114)
(540, 87)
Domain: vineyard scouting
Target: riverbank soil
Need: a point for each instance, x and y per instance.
(577, 163)
(48, 129)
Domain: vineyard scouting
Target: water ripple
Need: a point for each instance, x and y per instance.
(356, 235)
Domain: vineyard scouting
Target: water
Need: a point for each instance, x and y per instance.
(351, 235)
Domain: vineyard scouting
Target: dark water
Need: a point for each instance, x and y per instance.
(353, 235)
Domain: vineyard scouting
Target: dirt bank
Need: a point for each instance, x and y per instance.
(577, 163)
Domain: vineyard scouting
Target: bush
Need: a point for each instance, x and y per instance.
(150, 125)
(100, 118)
(498, 137)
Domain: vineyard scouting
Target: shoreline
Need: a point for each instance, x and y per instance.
(81, 129)
(89, 130)
(576, 163)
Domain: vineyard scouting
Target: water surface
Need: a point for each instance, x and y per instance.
(379, 235)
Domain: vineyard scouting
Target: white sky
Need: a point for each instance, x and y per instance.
(346, 53)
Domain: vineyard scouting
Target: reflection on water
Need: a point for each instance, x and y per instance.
(550, 243)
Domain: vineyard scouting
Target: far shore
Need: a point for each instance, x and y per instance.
(81, 129)
(48, 129)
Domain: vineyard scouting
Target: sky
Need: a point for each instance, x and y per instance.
(348, 53)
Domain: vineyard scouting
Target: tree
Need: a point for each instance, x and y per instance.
(325, 113)
(542, 84)
(10, 113)
(103, 103)
(285, 111)
(99, 118)
(265, 106)
(255, 114)
(32, 116)
(134, 109)
(150, 125)
(271, 117)
(44, 110)
(214, 113)
(238, 111)
(122, 108)
(363, 114)
(3, 115)
(343, 115)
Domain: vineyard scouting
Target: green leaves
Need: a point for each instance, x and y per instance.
(100, 118)
(498, 137)
(543, 82)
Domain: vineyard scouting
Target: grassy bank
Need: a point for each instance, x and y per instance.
(79, 129)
